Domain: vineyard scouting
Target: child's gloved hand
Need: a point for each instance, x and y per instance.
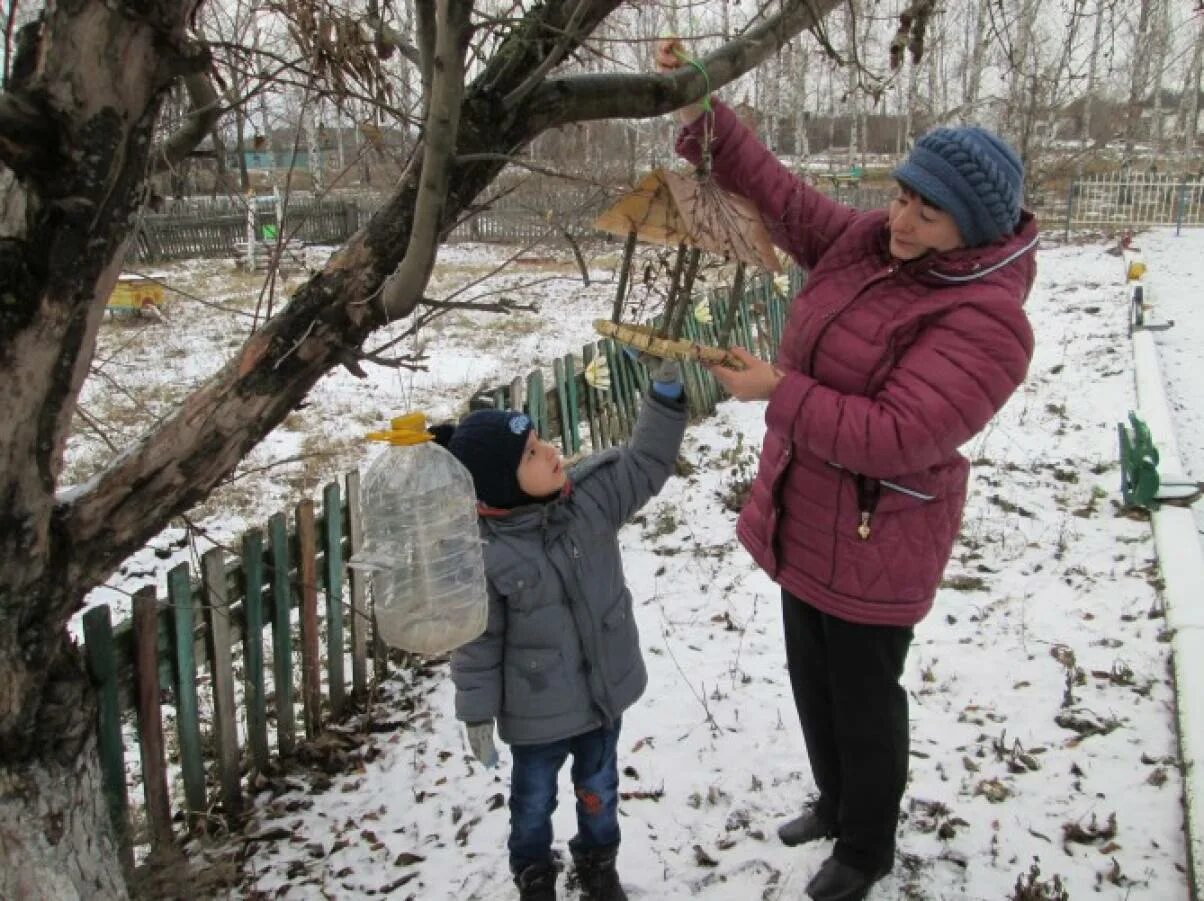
(480, 739)
(665, 373)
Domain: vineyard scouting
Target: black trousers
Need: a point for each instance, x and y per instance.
(853, 711)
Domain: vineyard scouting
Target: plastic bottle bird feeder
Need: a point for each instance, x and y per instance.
(420, 543)
(694, 214)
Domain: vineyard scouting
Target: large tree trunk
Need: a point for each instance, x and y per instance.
(50, 845)
(75, 129)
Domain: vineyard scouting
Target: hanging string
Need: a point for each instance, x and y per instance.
(691, 61)
(708, 114)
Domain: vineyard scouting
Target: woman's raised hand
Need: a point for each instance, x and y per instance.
(669, 53)
(755, 381)
(670, 56)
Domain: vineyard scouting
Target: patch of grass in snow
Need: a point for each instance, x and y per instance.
(1031, 887)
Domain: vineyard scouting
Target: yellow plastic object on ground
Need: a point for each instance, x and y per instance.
(136, 294)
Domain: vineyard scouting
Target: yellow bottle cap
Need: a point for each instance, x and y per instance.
(404, 430)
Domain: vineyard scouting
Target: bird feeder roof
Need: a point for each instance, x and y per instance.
(672, 208)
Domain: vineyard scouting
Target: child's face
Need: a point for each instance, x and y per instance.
(541, 470)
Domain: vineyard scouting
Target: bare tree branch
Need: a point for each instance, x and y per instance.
(201, 118)
(580, 98)
(403, 288)
(390, 38)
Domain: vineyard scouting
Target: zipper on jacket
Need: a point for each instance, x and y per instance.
(893, 486)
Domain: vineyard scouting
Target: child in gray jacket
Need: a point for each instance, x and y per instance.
(560, 659)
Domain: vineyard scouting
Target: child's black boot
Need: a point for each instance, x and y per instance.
(537, 883)
(597, 874)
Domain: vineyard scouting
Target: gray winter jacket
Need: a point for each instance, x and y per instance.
(561, 653)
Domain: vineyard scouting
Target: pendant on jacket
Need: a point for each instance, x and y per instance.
(864, 528)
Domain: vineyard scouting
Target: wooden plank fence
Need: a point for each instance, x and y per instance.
(204, 233)
(242, 623)
(216, 229)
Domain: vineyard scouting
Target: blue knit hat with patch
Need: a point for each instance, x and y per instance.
(490, 444)
(971, 174)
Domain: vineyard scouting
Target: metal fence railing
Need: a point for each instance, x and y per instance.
(1126, 200)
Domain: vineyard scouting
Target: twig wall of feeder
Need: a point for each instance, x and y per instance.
(672, 293)
(685, 294)
(733, 302)
(624, 276)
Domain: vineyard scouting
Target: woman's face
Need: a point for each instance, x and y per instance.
(917, 228)
(541, 470)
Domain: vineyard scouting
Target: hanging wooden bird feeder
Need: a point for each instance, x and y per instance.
(694, 214)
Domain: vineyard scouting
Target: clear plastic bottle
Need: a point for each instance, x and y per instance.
(420, 543)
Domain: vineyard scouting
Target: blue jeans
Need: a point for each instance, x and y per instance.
(533, 795)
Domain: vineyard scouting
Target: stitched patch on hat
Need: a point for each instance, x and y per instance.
(520, 423)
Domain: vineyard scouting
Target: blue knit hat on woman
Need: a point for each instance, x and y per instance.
(490, 444)
(971, 174)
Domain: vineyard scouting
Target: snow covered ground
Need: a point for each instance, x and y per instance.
(1043, 743)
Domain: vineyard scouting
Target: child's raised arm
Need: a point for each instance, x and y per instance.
(618, 482)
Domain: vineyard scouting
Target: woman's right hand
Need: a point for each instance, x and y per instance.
(671, 56)
(755, 381)
(669, 52)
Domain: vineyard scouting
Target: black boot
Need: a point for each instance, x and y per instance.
(597, 874)
(537, 883)
(837, 881)
(809, 827)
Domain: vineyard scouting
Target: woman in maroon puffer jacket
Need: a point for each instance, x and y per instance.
(909, 335)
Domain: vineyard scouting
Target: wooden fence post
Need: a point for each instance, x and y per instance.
(537, 403)
(252, 643)
(150, 720)
(282, 636)
(574, 402)
(221, 671)
(332, 585)
(518, 394)
(102, 666)
(179, 594)
(307, 576)
(561, 379)
(591, 398)
(620, 428)
(359, 601)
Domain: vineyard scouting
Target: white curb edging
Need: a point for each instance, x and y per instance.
(1182, 565)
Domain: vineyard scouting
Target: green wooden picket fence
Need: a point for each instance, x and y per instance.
(187, 644)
